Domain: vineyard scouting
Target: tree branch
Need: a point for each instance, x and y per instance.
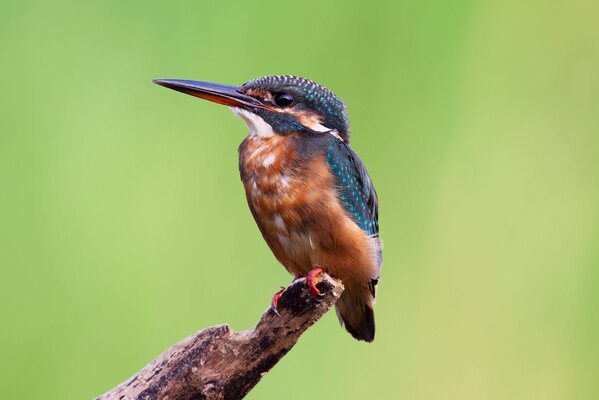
(218, 363)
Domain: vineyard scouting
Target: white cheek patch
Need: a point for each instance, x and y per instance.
(318, 127)
(335, 133)
(256, 124)
(321, 128)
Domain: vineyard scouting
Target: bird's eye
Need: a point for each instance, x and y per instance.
(283, 99)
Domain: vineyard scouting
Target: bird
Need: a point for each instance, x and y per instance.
(308, 191)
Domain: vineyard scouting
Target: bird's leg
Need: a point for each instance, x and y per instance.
(314, 272)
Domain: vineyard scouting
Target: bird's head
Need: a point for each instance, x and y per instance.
(275, 104)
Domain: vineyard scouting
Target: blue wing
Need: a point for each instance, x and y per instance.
(354, 187)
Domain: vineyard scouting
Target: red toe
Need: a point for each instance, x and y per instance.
(310, 281)
(274, 304)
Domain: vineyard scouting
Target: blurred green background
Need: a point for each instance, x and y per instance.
(124, 227)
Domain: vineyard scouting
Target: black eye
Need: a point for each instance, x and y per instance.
(283, 99)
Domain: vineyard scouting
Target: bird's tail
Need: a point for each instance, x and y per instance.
(355, 312)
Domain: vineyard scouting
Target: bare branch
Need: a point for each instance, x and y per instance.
(218, 363)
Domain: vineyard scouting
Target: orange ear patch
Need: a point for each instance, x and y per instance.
(309, 119)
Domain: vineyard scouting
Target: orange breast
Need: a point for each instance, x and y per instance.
(295, 206)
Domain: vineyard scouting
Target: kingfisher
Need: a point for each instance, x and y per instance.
(308, 191)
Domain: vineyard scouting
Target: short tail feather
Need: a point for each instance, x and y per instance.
(354, 310)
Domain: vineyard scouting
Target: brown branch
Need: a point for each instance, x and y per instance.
(218, 363)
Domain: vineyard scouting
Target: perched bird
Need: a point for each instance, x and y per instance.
(308, 191)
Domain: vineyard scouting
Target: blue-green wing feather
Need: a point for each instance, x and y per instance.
(354, 187)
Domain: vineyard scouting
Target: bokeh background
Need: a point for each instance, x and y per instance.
(124, 228)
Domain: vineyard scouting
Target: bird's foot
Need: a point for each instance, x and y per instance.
(274, 303)
(310, 281)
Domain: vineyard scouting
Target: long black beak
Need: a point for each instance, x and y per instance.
(232, 96)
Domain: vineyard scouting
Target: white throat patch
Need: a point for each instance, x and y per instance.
(256, 124)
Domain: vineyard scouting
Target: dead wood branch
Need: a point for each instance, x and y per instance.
(218, 363)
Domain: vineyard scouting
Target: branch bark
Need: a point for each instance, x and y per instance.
(219, 363)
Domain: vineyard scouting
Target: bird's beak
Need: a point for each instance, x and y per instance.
(232, 96)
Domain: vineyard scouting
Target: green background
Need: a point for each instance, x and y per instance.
(124, 227)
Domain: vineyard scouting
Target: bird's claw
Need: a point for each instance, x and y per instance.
(274, 303)
(310, 281)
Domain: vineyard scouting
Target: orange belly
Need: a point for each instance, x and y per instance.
(296, 208)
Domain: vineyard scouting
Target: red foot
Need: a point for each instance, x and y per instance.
(310, 281)
(275, 300)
